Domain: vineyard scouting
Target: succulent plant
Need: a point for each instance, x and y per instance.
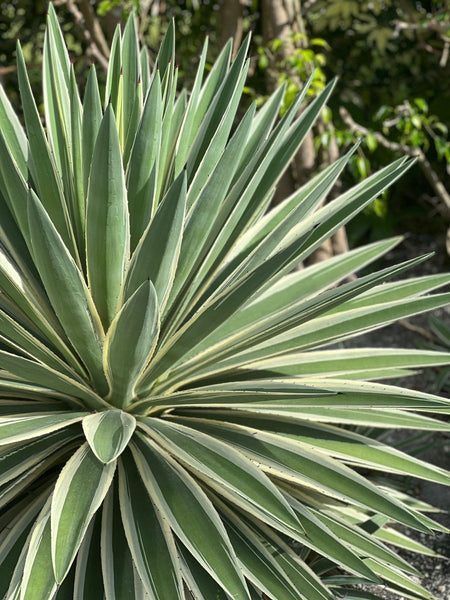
(175, 423)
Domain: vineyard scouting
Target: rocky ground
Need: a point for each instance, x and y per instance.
(436, 571)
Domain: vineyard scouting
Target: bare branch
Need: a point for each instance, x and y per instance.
(430, 174)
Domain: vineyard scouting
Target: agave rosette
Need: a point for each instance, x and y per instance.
(174, 423)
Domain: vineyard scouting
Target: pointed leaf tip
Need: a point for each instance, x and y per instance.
(108, 433)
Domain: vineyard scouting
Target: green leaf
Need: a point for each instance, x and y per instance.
(365, 544)
(107, 229)
(88, 584)
(400, 580)
(39, 374)
(189, 513)
(334, 328)
(346, 361)
(166, 54)
(44, 169)
(289, 460)
(216, 124)
(18, 429)
(67, 290)
(13, 185)
(225, 470)
(252, 191)
(149, 538)
(145, 70)
(156, 256)
(400, 540)
(169, 132)
(15, 529)
(38, 581)
(141, 180)
(22, 457)
(108, 433)
(22, 340)
(186, 130)
(131, 71)
(204, 321)
(264, 560)
(197, 579)
(79, 491)
(78, 208)
(13, 133)
(130, 343)
(354, 448)
(92, 117)
(203, 212)
(260, 567)
(114, 70)
(57, 101)
(119, 570)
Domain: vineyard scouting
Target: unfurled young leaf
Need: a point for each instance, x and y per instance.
(176, 420)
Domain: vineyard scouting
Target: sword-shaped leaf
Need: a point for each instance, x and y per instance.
(67, 290)
(88, 584)
(40, 374)
(92, 117)
(38, 581)
(352, 447)
(289, 460)
(225, 469)
(189, 513)
(148, 534)
(262, 563)
(156, 256)
(107, 230)
(166, 54)
(201, 584)
(119, 571)
(141, 181)
(203, 212)
(130, 343)
(79, 491)
(13, 133)
(131, 72)
(21, 428)
(114, 70)
(22, 457)
(43, 166)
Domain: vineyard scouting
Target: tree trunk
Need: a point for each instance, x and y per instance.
(231, 23)
(280, 20)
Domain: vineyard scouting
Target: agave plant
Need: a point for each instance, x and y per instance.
(174, 424)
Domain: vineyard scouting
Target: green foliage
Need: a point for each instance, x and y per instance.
(295, 60)
(173, 417)
(410, 123)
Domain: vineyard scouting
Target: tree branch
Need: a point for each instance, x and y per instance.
(430, 174)
(94, 49)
